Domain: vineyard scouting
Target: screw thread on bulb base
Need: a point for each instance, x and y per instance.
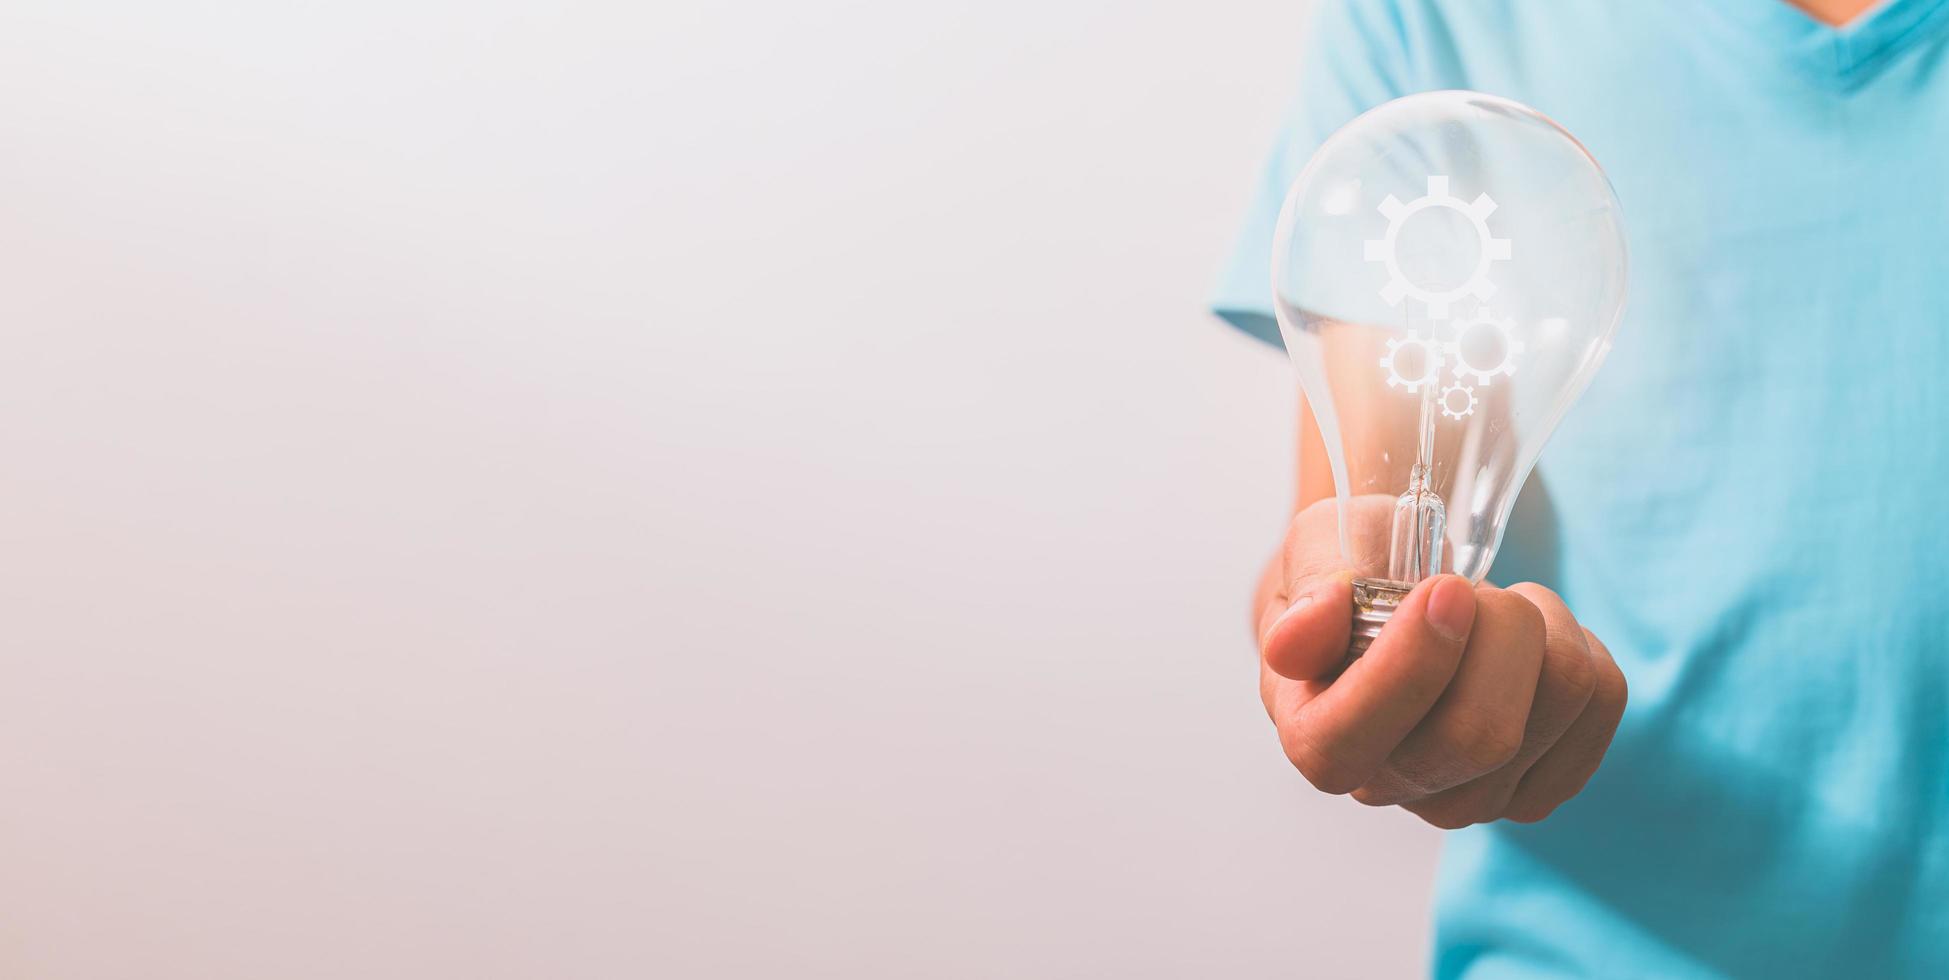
(1374, 602)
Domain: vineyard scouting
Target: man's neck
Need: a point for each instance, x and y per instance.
(1835, 13)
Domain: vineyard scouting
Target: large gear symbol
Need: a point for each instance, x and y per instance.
(1430, 361)
(1458, 408)
(1491, 248)
(1507, 342)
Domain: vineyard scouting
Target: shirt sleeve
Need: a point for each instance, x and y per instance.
(1352, 59)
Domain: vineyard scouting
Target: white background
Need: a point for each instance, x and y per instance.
(619, 490)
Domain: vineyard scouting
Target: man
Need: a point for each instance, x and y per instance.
(1748, 513)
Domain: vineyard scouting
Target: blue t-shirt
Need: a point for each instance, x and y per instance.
(1749, 503)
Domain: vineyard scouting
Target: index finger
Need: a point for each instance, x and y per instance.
(1360, 719)
(1308, 639)
(1304, 625)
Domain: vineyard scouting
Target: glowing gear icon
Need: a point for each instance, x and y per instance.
(1424, 373)
(1485, 336)
(1490, 248)
(1458, 402)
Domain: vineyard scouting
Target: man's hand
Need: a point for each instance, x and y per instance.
(1472, 705)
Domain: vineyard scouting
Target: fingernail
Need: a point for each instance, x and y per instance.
(1299, 605)
(1451, 608)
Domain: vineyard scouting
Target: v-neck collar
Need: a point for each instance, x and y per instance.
(1845, 55)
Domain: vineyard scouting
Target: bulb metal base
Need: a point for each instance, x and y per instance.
(1374, 602)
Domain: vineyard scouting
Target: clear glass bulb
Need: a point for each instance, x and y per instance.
(1448, 271)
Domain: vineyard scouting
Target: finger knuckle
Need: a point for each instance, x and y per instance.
(1531, 812)
(1533, 804)
(1327, 773)
(1570, 672)
(1516, 614)
(1534, 591)
(1446, 815)
(1319, 511)
(1484, 742)
(1597, 646)
(1478, 802)
(1612, 692)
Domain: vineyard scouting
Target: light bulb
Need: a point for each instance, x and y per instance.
(1448, 271)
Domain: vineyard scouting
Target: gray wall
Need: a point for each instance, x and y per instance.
(613, 490)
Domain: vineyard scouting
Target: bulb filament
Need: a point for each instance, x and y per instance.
(1420, 519)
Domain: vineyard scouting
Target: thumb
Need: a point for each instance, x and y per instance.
(1307, 640)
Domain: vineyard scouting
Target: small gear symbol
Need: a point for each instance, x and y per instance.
(1477, 212)
(1458, 401)
(1430, 367)
(1506, 342)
